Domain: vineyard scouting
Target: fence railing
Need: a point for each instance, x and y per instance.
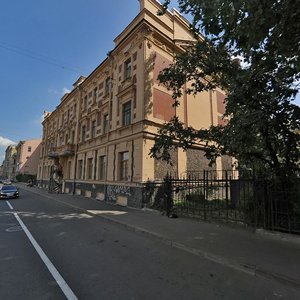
(226, 197)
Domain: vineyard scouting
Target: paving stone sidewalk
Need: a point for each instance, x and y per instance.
(274, 256)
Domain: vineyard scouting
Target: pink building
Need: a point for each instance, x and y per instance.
(27, 157)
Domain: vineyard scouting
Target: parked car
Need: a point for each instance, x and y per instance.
(9, 191)
(6, 181)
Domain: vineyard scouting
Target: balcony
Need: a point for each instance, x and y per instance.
(67, 150)
(62, 151)
(53, 153)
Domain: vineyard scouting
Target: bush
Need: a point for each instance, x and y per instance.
(26, 177)
(195, 198)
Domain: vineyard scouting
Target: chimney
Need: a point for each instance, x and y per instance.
(142, 4)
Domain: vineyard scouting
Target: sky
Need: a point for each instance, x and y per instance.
(45, 46)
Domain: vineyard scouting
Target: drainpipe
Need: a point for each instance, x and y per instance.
(76, 139)
(132, 160)
(211, 107)
(109, 120)
(75, 170)
(95, 174)
(42, 175)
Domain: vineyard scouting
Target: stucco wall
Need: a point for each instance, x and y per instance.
(29, 160)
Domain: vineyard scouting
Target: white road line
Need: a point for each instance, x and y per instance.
(9, 205)
(58, 278)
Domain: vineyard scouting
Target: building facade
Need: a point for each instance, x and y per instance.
(96, 142)
(8, 167)
(27, 156)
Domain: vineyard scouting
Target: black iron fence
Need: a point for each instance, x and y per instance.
(228, 196)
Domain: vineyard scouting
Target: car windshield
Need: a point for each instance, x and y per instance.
(8, 188)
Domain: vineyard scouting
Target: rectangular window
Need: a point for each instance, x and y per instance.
(98, 119)
(73, 137)
(124, 158)
(89, 168)
(95, 94)
(29, 149)
(87, 124)
(85, 100)
(93, 128)
(105, 123)
(127, 113)
(69, 170)
(74, 111)
(107, 86)
(83, 133)
(127, 69)
(102, 167)
(80, 169)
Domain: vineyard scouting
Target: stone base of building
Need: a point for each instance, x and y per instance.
(44, 184)
(124, 195)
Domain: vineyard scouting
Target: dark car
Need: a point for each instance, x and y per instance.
(8, 191)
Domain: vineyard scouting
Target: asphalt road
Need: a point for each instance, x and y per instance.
(100, 260)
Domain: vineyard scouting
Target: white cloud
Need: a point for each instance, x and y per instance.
(65, 91)
(56, 92)
(4, 142)
(39, 120)
(52, 91)
(297, 99)
(242, 61)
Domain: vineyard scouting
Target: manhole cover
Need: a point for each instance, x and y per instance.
(14, 228)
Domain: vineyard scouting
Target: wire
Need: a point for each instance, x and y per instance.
(37, 56)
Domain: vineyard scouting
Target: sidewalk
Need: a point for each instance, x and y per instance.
(265, 255)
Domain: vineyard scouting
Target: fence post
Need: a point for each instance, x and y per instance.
(204, 194)
(255, 184)
(226, 194)
(204, 189)
(264, 204)
(168, 195)
(272, 213)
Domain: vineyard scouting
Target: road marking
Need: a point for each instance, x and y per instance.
(14, 229)
(245, 268)
(9, 205)
(58, 278)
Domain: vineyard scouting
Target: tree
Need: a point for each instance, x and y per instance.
(263, 125)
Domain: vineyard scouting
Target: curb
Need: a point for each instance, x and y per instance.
(245, 268)
(279, 236)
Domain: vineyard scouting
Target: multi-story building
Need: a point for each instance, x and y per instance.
(27, 156)
(8, 168)
(97, 141)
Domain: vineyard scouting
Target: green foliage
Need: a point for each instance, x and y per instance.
(25, 177)
(263, 125)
